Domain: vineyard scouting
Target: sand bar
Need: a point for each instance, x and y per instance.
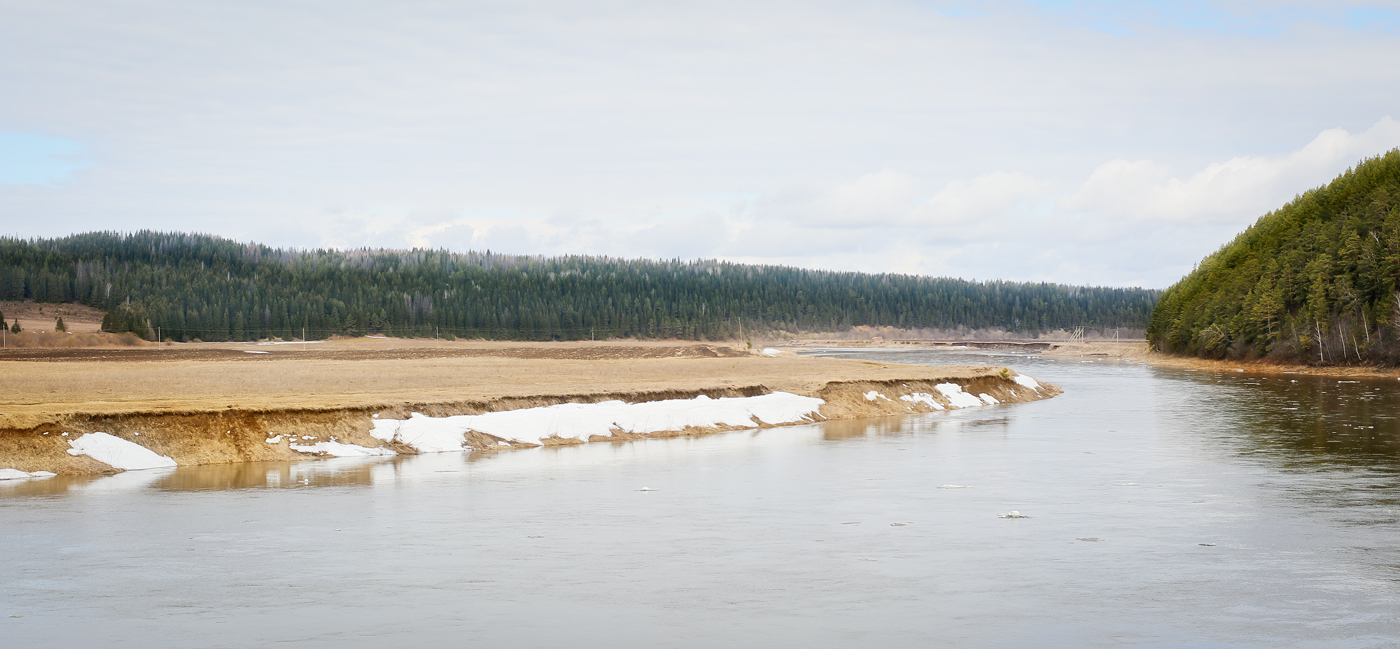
(205, 403)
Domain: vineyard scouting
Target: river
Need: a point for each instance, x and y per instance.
(1165, 508)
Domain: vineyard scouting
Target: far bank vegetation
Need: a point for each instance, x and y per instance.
(186, 287)
(1316, 281)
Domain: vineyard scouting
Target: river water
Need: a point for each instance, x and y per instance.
(1230, 510)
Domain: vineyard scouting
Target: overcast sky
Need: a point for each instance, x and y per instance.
(1079, 142)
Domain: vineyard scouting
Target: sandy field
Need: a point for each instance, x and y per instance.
(46, 385)
(209, 403)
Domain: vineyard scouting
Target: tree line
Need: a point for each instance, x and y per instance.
(1313, 281)
(183, 286)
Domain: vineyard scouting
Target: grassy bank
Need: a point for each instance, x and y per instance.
(201, 404)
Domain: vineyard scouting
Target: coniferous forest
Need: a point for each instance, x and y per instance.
(1314, 281)
(192, 286)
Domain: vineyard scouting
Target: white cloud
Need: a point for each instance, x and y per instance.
(880, 136)
(1226, 192)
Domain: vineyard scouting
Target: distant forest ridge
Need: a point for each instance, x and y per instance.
(1316, 281)
(195, 286)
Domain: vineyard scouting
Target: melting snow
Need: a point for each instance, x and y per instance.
(873, 395)
(991, 400)
(583, 420)
(769, 351)
(275, 440)
(16, 474)
(957, 397)
(117, 452)
(338, 449)
(1027, 381)
(924, 398)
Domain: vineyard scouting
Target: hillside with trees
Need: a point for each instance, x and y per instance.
(191, 286)
(1314, 281)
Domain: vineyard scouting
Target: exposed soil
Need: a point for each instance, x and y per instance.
(217, 403)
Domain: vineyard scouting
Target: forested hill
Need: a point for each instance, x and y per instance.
(1315, 280)
(202, 287)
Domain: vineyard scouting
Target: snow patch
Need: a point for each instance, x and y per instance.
(16, 474)
(991, 400)
(274, 440)
(338, 449)
(584, 420)
(770, 352)
(117, 452)
(924, 398)
(955, 395)
(873, 395)
(1027, 381)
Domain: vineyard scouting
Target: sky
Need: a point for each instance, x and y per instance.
(1106, 143)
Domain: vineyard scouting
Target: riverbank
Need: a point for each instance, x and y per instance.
(1141, 353)
(211, 403)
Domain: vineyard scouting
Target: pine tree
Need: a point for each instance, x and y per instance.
(59, 326)
(14, 329)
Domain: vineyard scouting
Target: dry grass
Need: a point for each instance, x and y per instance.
(32, 316)
(223, 408)
(35, 393)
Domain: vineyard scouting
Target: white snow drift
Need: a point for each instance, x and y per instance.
(117, 452)
(924, 398)
(955, 395)
(1027, 381)
(584, 420)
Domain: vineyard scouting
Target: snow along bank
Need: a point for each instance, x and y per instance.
(117, 452)
(16, 474)
(584, 420)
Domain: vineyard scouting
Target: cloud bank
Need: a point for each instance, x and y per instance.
(1106, 143)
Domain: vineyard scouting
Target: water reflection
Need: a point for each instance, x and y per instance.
(1306, 421)
(1219, 517)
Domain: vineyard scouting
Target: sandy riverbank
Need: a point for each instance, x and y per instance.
(1140, 352)
(208, 403)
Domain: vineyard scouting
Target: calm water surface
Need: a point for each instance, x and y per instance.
(1231, 510)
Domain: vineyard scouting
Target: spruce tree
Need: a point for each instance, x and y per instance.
(59, 326)
(14, 329)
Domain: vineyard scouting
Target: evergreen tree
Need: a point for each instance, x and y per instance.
(59, 326)
(1317, 280)
(14, 328)
(197, 286)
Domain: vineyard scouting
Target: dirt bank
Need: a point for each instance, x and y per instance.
(209, 404)
(1140, 352)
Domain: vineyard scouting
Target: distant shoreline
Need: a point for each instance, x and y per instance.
(1136, 351)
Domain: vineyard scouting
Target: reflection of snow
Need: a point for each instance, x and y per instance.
(338, 449)
(117, 452)
(583, 420)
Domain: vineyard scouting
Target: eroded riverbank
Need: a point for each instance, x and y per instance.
(145, 410)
